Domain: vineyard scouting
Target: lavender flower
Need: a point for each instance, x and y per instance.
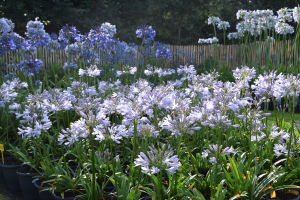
(157, 160)
(245, 73)
(281, 149)
(214, 150)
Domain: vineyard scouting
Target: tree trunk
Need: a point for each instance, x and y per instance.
(179, 29)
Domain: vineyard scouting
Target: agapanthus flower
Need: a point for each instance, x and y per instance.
(157, 160)
(285, 14)
(178, 125)
(71, 65)
(208, 41)
(242, 14)
(109, 29)
(8, 91)
(245, 73)
(296, 14)
(67, 33)
(281, 149)
(270, 39)
(31, 67)
(213, 20)
(127, 70)
(74, 51)
(6, 43)
(235, 35)
(146, 32)
(165, 53)
(213, 150)
(6, 25)
(34, 120)
(286, 86)
(223, 25)
(36, 33)
(90, 71)
(283, 28)
(105, 157)
(187, 72)
(52, 45)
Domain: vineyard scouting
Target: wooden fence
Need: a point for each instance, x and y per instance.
(253, 54)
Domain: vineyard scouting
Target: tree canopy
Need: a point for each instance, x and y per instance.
(175, 21)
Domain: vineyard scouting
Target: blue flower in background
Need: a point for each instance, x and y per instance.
(6, 25)
(74, 51)
(6, 44)
(28, 49)
(31, 67)
(165, 53)
(10, 75)
(53, 36)
(36, 34)
(73, 66)
(67, 33)
(146, 32)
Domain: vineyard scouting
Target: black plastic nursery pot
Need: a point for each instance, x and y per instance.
(288, 195)
(11, 178)
(60, 198)
(44, 195)
(2, 178)
(27, 187)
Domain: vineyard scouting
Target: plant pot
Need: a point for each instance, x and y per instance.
(45, 195)
(2, 178)
(12, 180)
(285, 197)
(109, 189)
(60, 198)
(27, 187)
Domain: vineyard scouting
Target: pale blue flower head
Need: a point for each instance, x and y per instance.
(6, 25)
(283, 28)
(285, 14)
(213, 20)
(270, 39)
(242, 14)
(109, 29)
(296, 14)
(223, 25)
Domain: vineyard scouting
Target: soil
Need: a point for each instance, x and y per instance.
(13, 161)
(67, 194)
(39, 182)
(281, 196)
(27, 169)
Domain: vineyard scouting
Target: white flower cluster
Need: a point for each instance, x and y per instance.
(208, 40)
(157, 160)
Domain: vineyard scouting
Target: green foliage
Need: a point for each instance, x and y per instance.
(178, 22)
